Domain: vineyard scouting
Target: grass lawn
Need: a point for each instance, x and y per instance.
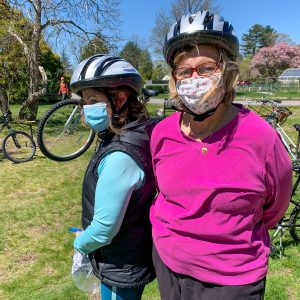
(41, 199)
(255, 93)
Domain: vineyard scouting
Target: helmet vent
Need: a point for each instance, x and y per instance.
(177, 29)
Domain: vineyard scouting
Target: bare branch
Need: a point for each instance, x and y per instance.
(58, 22)
(20, 40)
(178, 8)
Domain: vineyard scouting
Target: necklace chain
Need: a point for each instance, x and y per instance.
(204, 148)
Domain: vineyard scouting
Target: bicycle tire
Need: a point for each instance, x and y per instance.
(295, 221)
(22, 152)
(61, 136)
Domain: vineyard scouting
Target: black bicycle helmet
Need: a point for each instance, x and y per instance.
(201, 28)
(107, 72)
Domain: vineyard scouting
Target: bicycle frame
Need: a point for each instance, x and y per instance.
(6, 124)
(288, 143)
(70, 120)
(273, 117)
(277, 116)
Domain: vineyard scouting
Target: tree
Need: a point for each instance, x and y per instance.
(257, 37)
(140, 58)
(178, 8)
(65, 61)
(245, 68)
(3, 101)
(14, 77)
(160, 69)
(59, 18)
(145, 65)
(53, 66)
(272, 61)
(284, 38)
(94, 46)
(132, 52)
(13, 72)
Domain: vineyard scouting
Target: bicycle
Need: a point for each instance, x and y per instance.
(276, 116)
(290, 221)
(62, 136)
(17, 146)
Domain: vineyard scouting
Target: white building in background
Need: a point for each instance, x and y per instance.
(291, 75)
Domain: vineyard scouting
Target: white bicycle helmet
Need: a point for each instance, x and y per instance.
(201, 28)
(107, 72)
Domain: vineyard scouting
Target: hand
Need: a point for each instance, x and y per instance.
(78, 233)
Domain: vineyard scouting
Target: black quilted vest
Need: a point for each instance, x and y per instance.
(126, 261)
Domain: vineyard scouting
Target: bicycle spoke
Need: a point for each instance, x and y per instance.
(18, 147)
(62, 135)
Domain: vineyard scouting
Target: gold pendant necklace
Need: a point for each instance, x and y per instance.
(204, 150)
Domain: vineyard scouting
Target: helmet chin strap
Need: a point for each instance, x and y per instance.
(203, 116)
(198, 117)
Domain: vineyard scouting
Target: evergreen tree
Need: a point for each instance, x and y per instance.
(140, 58)
(160, 69)
(132, 53)
(145, 65)
(257, 37)
(65, 61)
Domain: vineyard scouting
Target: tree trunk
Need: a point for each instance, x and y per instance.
(3, 101)
(29, 108)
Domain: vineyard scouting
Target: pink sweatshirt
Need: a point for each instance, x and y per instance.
(212, 214)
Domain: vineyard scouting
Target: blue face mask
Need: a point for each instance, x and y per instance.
(95, 115)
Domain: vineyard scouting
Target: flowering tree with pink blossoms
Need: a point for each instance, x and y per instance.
(272, 61)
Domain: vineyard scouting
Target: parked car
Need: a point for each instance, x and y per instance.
(244, 82)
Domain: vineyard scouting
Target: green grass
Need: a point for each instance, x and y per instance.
(274, 94)
(42, 198)
(254, 93)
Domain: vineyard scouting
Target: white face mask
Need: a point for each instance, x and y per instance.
(192, 91)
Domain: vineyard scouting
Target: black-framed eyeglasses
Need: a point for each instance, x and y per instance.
(204, 69)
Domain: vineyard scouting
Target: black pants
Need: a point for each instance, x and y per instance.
(174, 286)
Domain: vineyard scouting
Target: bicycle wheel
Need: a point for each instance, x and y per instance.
(294, 224)
(61, 134)
(18, 146)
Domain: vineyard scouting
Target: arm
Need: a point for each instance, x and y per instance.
(119, 176)
(279, 183)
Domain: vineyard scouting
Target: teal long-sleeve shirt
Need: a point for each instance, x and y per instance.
(119, 176)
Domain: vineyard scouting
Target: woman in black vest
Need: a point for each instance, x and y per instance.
(118, 184)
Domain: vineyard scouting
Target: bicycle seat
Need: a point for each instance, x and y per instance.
(297, 127)
(264, 101)
(277, 101)
(149, 93)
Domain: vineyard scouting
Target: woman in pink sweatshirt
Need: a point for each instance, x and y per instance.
(223, 175)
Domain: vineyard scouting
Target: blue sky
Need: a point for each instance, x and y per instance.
(138, 16)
